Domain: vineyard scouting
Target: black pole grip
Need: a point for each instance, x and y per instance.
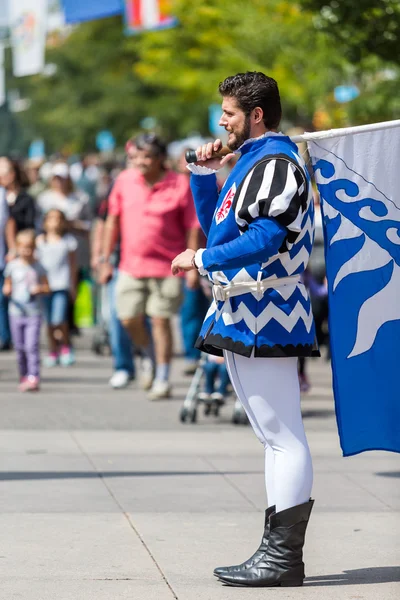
(191, 156)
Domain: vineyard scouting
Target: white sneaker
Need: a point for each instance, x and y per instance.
(218, 398)
(119, 380)
(146, 375)
(160, 390)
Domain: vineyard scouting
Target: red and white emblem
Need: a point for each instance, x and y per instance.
(226, 205)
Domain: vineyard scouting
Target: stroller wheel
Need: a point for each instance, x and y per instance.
(193, 415)
(216, 408)
(188, 415)
(236, 417)
(207, 409)
(243, 419)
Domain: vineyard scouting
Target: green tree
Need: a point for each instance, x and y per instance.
(364, 27)
(102, 79)
(217, 38)
(92, 87)
(11, 140)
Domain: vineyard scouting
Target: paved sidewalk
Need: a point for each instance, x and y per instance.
(106, 496)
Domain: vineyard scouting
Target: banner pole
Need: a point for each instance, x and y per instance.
(332, 133)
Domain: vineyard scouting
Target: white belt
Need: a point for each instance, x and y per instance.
(223, 292)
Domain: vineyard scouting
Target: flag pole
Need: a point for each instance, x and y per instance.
(332, 133)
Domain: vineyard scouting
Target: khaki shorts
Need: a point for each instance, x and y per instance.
(155, 297)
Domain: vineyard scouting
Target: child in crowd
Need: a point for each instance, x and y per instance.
(25, 281)
(214, 368)
(57, 253)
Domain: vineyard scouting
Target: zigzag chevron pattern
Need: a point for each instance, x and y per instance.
(287, 321)
(308, 228)
(286, 291)
(257, 324)
(211, 310)
(242, 313)
(291, 264)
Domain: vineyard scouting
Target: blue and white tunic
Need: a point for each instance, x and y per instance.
(260, 227)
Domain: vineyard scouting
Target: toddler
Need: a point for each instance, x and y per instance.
(25, 281)
(215, 368)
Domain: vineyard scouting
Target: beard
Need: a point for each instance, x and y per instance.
(239, 137)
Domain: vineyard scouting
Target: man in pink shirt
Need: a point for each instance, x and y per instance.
(152, 209)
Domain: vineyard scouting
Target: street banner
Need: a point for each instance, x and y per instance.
(358, 177)
(2, 76)
(28, 35)
(77, 11)
(144, 15)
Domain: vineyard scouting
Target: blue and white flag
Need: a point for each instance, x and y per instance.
(358, 175)
(77, 11)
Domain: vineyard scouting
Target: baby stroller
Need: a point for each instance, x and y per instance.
(195, 397)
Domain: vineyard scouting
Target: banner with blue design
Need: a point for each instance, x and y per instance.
(358, 176)
(77, 11)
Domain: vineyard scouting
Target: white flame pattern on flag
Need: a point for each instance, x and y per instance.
(353, 191)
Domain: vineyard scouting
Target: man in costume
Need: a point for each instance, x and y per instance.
(260, 231)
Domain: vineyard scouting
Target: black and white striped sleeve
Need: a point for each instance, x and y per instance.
(274, 188)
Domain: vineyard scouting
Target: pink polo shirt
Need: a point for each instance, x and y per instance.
(154, 221)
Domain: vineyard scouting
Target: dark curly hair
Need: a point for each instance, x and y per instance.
(151, 141)
(254, 89)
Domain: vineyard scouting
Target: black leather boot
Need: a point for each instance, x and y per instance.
(282, 564)
(258, 553)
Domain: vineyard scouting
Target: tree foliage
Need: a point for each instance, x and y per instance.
(93, 88)
(105, 80)
(217, 38)
(364, 27)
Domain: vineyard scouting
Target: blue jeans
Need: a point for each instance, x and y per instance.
(5, 334)
(193, 310)
(212, 370)
(56, 307)
(120, 342)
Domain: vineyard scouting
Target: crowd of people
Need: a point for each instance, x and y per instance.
(120, 224)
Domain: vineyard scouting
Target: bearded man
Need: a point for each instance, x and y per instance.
(260, 234)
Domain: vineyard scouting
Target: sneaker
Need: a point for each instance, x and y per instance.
(160, 390)
(204, 397)
(120, 379)
(32, 383)
(146, 375)
(218, 398)
(29, 384)
(51, 360)
(67, 356)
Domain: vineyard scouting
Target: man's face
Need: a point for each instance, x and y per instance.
(148, 164)
(236, 123)
(131, 156)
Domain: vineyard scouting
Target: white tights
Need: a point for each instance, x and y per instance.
(268, 389)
